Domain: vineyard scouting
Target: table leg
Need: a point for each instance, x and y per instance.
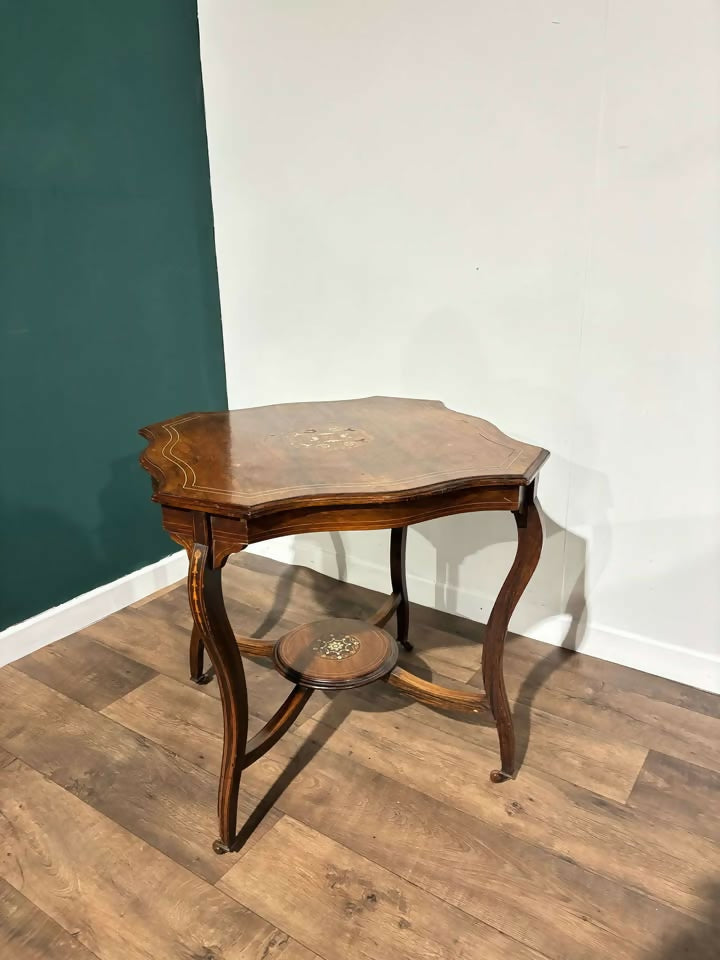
(197, 658)
(398, 542)
(530, 539)
(215, 633)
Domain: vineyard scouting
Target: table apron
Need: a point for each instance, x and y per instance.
(232, 534)
(382, 516)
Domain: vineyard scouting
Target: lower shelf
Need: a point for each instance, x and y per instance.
(335, 654)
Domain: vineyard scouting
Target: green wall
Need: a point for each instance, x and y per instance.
(109, 309)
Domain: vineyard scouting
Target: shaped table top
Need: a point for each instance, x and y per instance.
(371, 450)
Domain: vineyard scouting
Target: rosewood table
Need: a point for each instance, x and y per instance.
(229, 479)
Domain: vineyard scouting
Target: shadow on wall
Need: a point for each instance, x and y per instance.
(559, 590)
(559, 587)
(488, 529)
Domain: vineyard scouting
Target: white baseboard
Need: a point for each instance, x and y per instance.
(23, 638)
(58, 622)
(692, 667)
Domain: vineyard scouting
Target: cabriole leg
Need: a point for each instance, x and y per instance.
(197, 658)
(398, 541)
(530, 539)
(215, 632)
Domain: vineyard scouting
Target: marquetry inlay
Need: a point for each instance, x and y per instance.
(377, 450)
(329, 438)
(337, 648)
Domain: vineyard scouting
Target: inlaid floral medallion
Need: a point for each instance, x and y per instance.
(337, 647)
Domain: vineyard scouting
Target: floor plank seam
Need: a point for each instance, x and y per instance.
(399, 877)
(73, 935)
(442, 803)
(663, 838)
(119, 825)
(426, 721)
(257, 800)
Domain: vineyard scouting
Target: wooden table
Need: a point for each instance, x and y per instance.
(229, 479)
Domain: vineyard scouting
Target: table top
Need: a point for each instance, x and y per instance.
(371, 450)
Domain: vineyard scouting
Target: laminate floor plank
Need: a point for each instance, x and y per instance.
(247, 614)
(609, 708)
(26, 933)
(155, 640)
(85, 670)
(176, 717)
(161, 798)
(628, 716)
(557, 667)
(116, 895)
(347, 908)
(609, 838)
(549, 904)
(606, 844)
(682, 793)
(608, 767)
(542, 899)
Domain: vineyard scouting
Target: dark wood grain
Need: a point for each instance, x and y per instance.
(155, 639)
(385, 612)
(208, 610)
(196, 657)
(530, 539)
(276, 726)
(376, 516)
(398, 550)
(335, 654)
(372, 450)
(435, 695)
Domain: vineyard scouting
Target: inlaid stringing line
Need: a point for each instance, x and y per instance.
(168, 452)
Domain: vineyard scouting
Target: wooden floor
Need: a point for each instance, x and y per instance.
(379, 836)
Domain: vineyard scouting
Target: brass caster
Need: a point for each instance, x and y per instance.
(499, 776)
(219, 847)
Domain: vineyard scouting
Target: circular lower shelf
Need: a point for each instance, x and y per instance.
(335, 654)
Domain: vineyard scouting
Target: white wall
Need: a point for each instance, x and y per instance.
(513, 208)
